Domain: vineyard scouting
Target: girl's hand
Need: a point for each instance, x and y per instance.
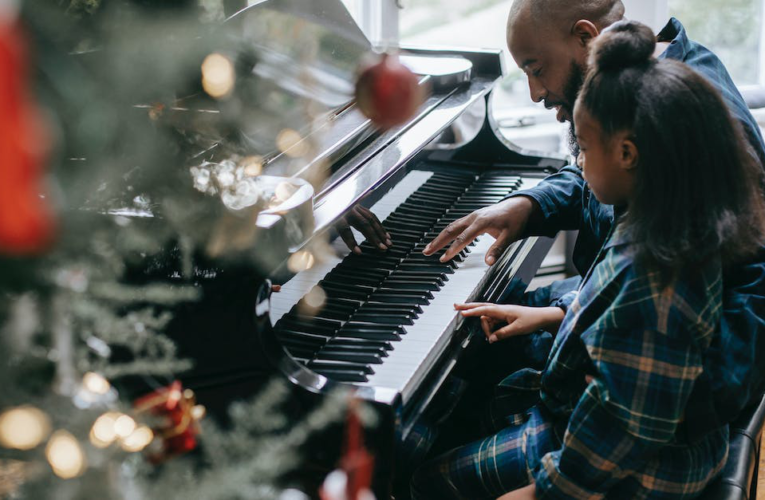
(525, 493)
(520, 320)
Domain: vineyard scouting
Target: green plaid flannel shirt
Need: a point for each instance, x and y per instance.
(643, 344)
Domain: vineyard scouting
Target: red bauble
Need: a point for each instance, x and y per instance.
(388, 93)
(178, 417)
(26, 222)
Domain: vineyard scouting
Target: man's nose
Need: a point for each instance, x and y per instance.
(536, 90)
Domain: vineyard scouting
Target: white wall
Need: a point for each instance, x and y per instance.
(654, 13)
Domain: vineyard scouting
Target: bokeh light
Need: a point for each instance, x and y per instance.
(301, 261)
(218, 77)
(23, 428)
(65, 455)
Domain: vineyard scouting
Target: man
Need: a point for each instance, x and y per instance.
(549, 41)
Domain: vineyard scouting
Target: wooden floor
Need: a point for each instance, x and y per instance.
(761, 474)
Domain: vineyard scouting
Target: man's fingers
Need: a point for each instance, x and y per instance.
(460, 242)
(347, 235)
(498, 248)
(364, 226)
(446, 236)
(377, 227)
(589, 379)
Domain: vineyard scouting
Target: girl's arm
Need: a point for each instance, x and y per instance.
(521, 320)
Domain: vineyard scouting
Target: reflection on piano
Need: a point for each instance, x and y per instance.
(379, 323)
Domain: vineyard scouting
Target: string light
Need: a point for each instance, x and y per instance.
(138, 439)
(291, 143)
(96, 383)
(300, 261)
(218, 76)
(198, 412)
(65, 455)
(103, 433)
(124, 426)
(23, 428)
(253, 166)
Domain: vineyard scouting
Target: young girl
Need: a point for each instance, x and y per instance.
(614, 416)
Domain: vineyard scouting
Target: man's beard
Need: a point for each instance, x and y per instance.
(570, 92)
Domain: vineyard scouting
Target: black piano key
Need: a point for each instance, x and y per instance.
(424, 268)
(347, 273)
(384, 319)
(359, 359)
(312, 322)
(347, 292)
(393, 308)
(409, 293)
(433, 260)
(296, 334)
(435, 278)
(386, 333)
(371, 350)
(357, 342)
(395, 298)
(343, 375)
(299, 327)
(400, 284)
(345, 279)
(340, 364)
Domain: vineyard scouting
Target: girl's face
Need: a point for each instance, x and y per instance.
(608, 163)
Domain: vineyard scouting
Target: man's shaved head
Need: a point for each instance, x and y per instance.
(564, 13)
(549, 40)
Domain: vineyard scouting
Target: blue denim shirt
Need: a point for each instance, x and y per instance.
(735, 371)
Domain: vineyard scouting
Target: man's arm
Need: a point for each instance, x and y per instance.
(555, 204)
(559, 203)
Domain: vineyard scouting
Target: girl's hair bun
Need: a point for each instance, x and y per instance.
(622, 45)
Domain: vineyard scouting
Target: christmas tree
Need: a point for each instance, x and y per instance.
(124, 158)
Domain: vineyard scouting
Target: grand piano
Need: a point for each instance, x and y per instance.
(381, 323)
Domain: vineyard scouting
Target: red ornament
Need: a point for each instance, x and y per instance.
(26, 221)
(356, 464)
(178, 419)
(388, 93)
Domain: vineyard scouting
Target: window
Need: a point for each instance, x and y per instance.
(734, 32)
(482, 24)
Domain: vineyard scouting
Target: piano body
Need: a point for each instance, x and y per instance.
(381, 323)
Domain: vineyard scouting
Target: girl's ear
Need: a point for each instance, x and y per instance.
(628, 156)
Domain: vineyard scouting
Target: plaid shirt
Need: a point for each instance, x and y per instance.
(644, 346)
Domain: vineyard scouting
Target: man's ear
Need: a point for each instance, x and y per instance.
(628, 155)
(584, 31)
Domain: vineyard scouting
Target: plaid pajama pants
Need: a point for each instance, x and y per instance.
(489, 467)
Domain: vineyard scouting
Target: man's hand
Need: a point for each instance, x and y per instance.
(505, 221)
(525, 493)
(520, 320)
(368, 224)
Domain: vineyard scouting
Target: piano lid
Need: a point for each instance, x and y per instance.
(304, 60)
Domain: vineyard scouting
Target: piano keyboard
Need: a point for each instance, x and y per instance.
(384, 318)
